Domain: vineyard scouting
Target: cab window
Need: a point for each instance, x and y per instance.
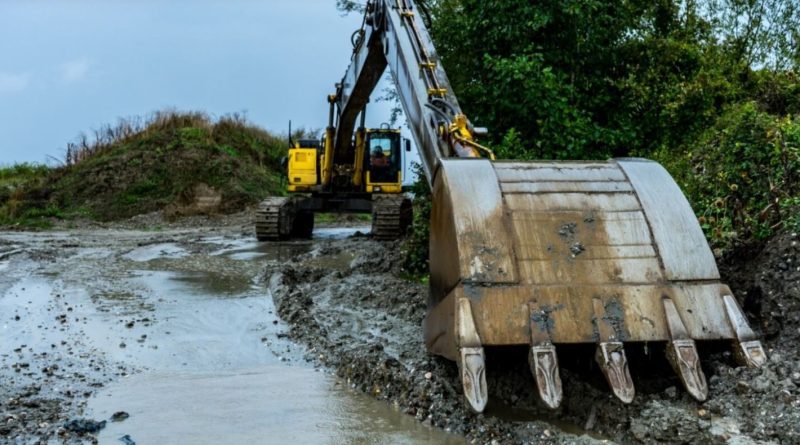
(380, 152)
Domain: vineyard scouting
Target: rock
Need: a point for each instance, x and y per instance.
(119, 416)
(760, 384)
(742, 387)
(83, 426)
(724, 428)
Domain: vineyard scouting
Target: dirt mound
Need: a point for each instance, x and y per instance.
(183, 163)
(768, 283)
(347, 302)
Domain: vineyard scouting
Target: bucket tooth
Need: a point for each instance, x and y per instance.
(682, 354)
(543, 360)
(610, 355)
(746, 348)
(611, 358)
(749, 353)
(471, 358)
(472, 366)
(544, 367)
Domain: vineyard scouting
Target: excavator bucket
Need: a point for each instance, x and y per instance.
(542, 254)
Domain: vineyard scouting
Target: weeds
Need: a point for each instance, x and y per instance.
(141, 164)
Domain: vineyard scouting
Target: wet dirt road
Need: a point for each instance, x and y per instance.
(203, 336)
(177, 330)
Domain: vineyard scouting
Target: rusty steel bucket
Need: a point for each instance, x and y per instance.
(547, 253)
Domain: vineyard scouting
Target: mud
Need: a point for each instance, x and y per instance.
(166, 336)
(347, 301)
(172, 324)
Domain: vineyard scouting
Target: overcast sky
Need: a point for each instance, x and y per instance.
(69, 66)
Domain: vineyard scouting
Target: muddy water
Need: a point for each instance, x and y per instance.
(271, 404)
(190, 335)
(226, 376)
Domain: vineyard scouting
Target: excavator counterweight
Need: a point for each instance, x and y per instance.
(542, 253)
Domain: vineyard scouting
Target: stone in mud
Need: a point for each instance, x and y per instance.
(119, 416)
(83, 426)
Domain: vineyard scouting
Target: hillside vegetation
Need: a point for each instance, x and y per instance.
(143, 165)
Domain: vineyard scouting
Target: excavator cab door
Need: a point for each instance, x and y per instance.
(385, 161)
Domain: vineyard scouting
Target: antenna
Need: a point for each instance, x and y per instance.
(291, 143)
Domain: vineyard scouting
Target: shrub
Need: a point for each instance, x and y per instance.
(742, 175)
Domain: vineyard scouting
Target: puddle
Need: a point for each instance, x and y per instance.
(211, 360)
(151, 252)
(340, 232)
(219, 371)
(202, 283)
(274, 404)
(30, 300)
(245, 249)
(190, 322)
(339, 261)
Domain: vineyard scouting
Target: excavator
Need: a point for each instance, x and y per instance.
(544, 253)
(366, 176)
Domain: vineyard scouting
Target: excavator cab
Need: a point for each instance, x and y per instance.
(384, 170)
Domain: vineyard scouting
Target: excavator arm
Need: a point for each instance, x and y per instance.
(394, 35)
(541, 253)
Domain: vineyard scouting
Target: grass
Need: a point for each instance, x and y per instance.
(139, 165)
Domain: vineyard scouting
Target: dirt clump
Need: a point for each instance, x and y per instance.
(199, 199)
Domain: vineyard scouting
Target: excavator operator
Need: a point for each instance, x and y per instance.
(378, 158)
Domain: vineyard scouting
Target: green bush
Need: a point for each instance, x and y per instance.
(742, 175)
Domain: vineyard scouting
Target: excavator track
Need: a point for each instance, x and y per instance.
(274, 219)
(391, 216)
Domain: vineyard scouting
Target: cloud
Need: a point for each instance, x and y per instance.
(13, 83)
(75, 70)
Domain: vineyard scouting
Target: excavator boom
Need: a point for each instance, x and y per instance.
(543, 253)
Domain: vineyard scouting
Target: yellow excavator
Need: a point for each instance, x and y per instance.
(539, 253)
(366, 177)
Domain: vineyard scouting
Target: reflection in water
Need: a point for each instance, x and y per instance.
(339, 232)
(253, 250)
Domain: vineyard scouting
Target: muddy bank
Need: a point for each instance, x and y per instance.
(347, 302)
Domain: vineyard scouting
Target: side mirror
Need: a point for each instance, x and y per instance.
(408, 145)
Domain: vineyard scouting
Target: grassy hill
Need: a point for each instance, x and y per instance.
(142, 165)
